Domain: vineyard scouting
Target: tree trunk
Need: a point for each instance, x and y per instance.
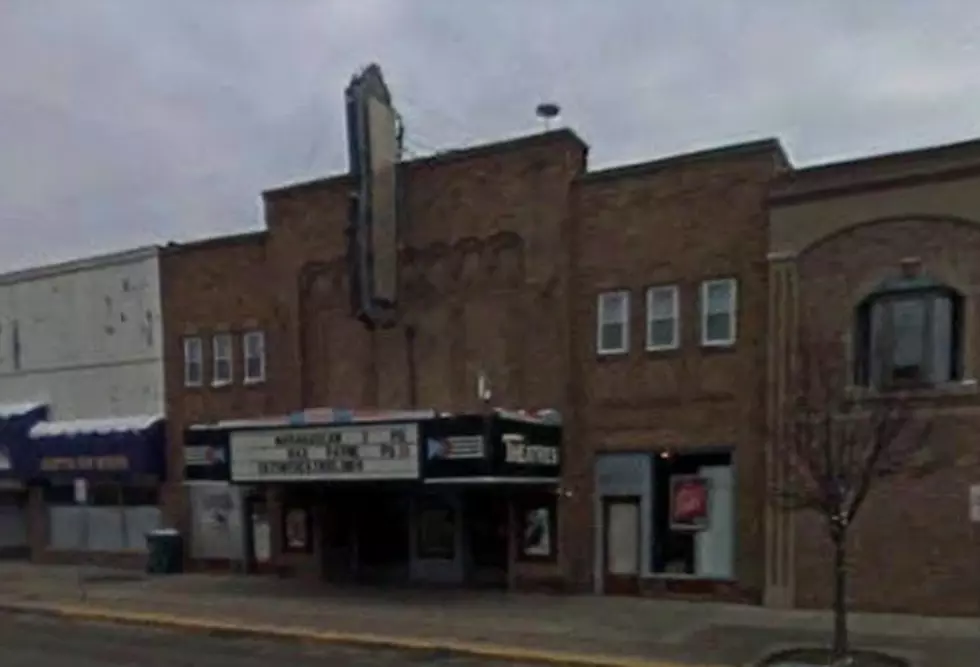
(841, 642)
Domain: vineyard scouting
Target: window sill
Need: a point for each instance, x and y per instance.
(687, 577)
(968, 387)
(611, 354)
(250, 382)
(655, 349)
(220, 384)
(193, 385)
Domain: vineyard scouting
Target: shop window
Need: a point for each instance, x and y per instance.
(537, 527)
(909, 334)
(436, 534)
(193, 361)
(693, 515)
(222, 373)
(613, 322)
(297, 530)
(253, 350)
(719, 306)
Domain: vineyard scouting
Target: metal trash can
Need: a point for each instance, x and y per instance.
(166, 552)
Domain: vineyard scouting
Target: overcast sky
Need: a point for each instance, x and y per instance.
(128, 122)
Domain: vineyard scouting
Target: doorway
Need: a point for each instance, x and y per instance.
(486, 526)
(621, 545)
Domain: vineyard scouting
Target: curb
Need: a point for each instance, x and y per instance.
(307, 635)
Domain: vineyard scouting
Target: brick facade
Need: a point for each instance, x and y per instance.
(482, 271)
(836, 233)
(504, 251)
(677, 221)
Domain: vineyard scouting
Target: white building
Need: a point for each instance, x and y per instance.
(84, 336)
(85, 339)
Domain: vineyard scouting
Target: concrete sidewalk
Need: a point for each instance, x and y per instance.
(581, 630)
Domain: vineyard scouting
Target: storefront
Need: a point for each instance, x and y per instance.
(665, 521)
(16, 421)
(450, 500)
(96, 485)
(217, 507)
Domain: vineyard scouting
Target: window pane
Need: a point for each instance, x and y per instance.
(254, 343)
(942, 340)
(718, 297)
(222, 370)
(662, 333)
(192, 373)
(718, 327)
(661, 303)
(908, 328)
(612, 337)
(253, 368)
(613, 308)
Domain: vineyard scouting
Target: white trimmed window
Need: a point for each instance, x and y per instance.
(253, 350)
(221, 356)
(663, 318)
(719, 308)
(613, 322)
(193, 361)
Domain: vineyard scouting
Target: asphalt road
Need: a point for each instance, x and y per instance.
(31, 641)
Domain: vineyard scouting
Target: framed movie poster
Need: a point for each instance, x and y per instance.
(537, 538)
(297, 529)
(690, 497)
(537, 527)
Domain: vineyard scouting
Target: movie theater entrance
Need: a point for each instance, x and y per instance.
(436, 500)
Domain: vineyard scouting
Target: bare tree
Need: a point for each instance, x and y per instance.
(836, 443)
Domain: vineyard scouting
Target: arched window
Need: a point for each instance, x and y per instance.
(909, 332)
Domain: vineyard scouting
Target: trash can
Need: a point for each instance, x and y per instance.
(166, 552)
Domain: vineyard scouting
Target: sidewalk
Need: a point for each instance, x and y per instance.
(584, 629)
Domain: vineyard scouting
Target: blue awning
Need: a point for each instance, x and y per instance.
(114, 448)
(16, 420)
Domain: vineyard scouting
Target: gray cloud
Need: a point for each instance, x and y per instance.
(125, 122)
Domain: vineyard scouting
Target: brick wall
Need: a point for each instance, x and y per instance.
(677, 221)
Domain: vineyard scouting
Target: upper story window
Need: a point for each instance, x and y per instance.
(909, 333)
(663, 318)
(719, 309)
(253, 350)
(613, 324)
(193, 361)
(221, 346)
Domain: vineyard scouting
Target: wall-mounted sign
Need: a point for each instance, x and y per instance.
(689, 502)
(105, 463)
(368, 451)
(519, 452)
(455, 448)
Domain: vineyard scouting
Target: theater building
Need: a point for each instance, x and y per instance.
(82, 399)
(259, 326)
(631, 302)
(883, 255)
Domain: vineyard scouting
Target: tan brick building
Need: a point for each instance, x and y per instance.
(519, 264)
(900, 234)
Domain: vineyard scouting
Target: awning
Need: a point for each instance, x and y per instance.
(16, 420)
(114, 448)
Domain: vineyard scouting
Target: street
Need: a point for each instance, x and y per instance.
(32, 641)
